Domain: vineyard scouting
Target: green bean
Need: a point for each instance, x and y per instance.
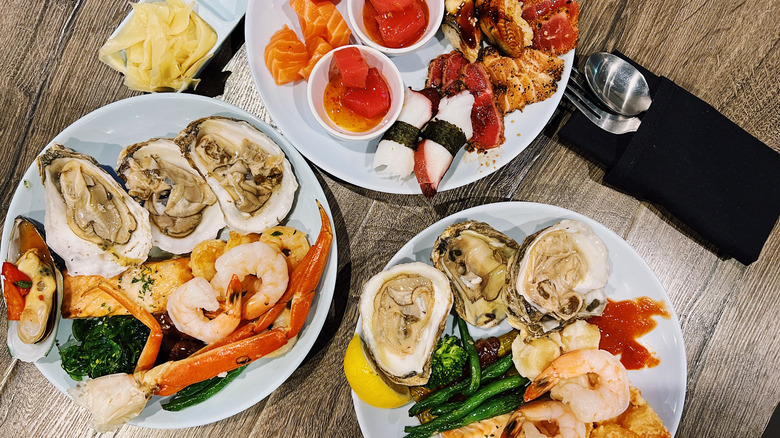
(492, 371)
(470, 404)
(438, 397)
(491, 408)
(203, 391)
(468, 345)
(444, 408)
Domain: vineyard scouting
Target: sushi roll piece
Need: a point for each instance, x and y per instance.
(443, 136)
(394, 155)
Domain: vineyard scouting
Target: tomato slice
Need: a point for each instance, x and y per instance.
(16, 284)
(371, 101)
(352, 66)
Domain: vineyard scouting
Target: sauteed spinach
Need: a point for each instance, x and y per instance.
(102, 346)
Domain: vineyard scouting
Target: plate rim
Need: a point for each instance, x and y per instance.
(326, 287)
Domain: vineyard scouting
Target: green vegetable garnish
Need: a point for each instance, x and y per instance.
(447, 361)
(199, 392)
(102, 346)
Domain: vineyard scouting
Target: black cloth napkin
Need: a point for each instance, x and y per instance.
(687, 157)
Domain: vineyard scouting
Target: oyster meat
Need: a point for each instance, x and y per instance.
(91, 222)
(183, 209)
(31, 336)
(474, 258)
(404, 311)
(253, 181)
(557, 277)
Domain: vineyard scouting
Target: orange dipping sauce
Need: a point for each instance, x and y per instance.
(622, 323)
(340, 114)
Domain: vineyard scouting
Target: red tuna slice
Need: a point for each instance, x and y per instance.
(452, 67)
(436, 71)
(556, 34)
(404, 28)
(539, 9)
(371, 101)
(486, 120)
(385, 6)
(352, 66)
(431, 161)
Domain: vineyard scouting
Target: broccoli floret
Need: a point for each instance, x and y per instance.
(447, 361)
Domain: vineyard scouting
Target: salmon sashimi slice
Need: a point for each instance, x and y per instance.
(313, 23)
(317, 47)
(338, 32)
(285, 56)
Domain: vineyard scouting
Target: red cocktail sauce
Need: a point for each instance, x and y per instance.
(340, 114)
(622, 323)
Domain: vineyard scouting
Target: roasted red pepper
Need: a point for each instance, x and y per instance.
(16, 284)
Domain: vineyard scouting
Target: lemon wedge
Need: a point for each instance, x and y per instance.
(369, 385)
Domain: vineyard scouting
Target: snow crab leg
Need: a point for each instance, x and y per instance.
(152, 346)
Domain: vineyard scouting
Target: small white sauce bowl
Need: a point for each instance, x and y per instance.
(355, 20)
(320, 76)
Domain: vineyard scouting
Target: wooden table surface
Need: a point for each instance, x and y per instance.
(726, 53)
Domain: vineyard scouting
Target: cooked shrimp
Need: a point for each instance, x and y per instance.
(540, 419)
(186, 305)
(289, 241)
(593, 382)
(269, 271)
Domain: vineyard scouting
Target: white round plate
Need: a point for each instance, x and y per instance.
(351, 160)
(663, 386)
(102, 134)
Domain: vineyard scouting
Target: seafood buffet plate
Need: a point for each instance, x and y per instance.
(663, 386)
(351, 160)
(102, 134)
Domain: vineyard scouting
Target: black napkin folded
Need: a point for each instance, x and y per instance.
(687, 157)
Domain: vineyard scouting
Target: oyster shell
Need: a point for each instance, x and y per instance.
(474, 258)
(182, 208)
(95, 226)
(404, 311)
(248, 172)
(556, 277)
(503, 25)
(32, 336)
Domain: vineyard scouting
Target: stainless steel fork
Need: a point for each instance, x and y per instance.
(577, 93)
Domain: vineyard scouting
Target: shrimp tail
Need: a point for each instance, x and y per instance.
(539, 386)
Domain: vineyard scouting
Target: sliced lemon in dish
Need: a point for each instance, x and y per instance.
(372, 387)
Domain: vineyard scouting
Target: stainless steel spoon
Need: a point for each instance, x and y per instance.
(617, 84)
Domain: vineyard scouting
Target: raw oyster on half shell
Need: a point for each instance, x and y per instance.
(474, 258)
(91, 222)
(403, 313)
(557, 277)
(182, 208)
(249, 173)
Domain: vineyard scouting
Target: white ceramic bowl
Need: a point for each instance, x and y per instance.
(355, 20)
(320, 77)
